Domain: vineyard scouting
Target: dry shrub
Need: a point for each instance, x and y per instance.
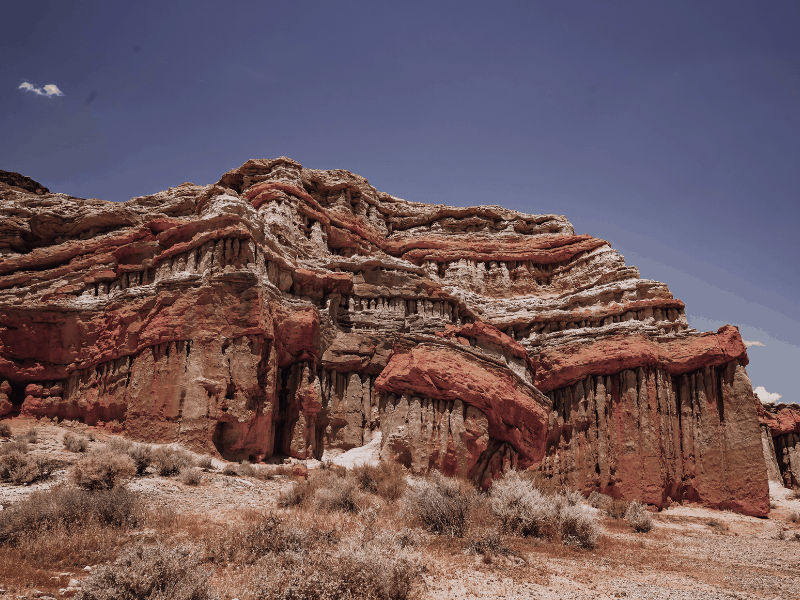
(338, 494)
(190, 477)
(150, 573)
(245, 469)
(246, 543)
(21, 469)
(523, 509)
(387, 479)
(639, 517)
(794, 517)
(171, 461)
(614, 507)
(142, 454)
(717, 525)
(488, 545)
(20, 446)
(30, 436)
(442, 504)
(102, 470)
(75, 443)
(378, 569)
(230, 470)
(327, 490)
(5, 430)
(269, 471)
(205, 463)
(70, 508)
(577, 527)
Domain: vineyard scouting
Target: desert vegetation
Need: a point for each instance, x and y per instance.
(370, 531)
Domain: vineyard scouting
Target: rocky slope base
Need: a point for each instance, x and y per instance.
(288, 311)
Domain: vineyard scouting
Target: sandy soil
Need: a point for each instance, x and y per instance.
(692, 552)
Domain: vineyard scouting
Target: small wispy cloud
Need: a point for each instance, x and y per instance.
(748, 344)
(765, 396)
(50, 89)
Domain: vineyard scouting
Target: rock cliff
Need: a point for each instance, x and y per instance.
(781, 432)
(285, 311)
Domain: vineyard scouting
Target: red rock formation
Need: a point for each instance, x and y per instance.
(292, 311)
(782, 423)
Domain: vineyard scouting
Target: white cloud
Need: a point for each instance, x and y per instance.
(748, 344)
(50, 89)
(765, 396)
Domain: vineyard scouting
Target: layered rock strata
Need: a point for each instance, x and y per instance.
(286, 311)
(781, 426)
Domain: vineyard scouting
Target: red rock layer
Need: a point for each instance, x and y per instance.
(782, 422)
(292, 311)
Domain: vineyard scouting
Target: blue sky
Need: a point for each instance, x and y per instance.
(671, 129)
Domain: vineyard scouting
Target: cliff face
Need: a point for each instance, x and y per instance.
(285, 311)
(781, 429)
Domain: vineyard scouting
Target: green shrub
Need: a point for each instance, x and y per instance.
(150, 573)
(102, 470)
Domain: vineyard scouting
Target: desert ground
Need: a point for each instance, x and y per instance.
(690, 552)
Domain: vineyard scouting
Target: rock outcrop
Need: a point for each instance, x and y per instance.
(288, 311)
(781, 426)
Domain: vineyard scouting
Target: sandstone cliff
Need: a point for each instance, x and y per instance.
(285, 311)
(781, 431)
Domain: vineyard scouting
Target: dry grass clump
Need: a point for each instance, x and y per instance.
(522, 509)
(102, 470)
(717, 525)
(326, 490)
(150, 573)
(488, 545)
(614, 507)
(5, 430)
(374, 569)
(387, 479)
(74, 443)
(17, 467)
(17, 445)
(171, 461)
(638, 517)
(31, 436)
(142, 454)
(205, 463)
(69, 508)
(245, 469)
(247, 543)
(190, 477)
(441, 503)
